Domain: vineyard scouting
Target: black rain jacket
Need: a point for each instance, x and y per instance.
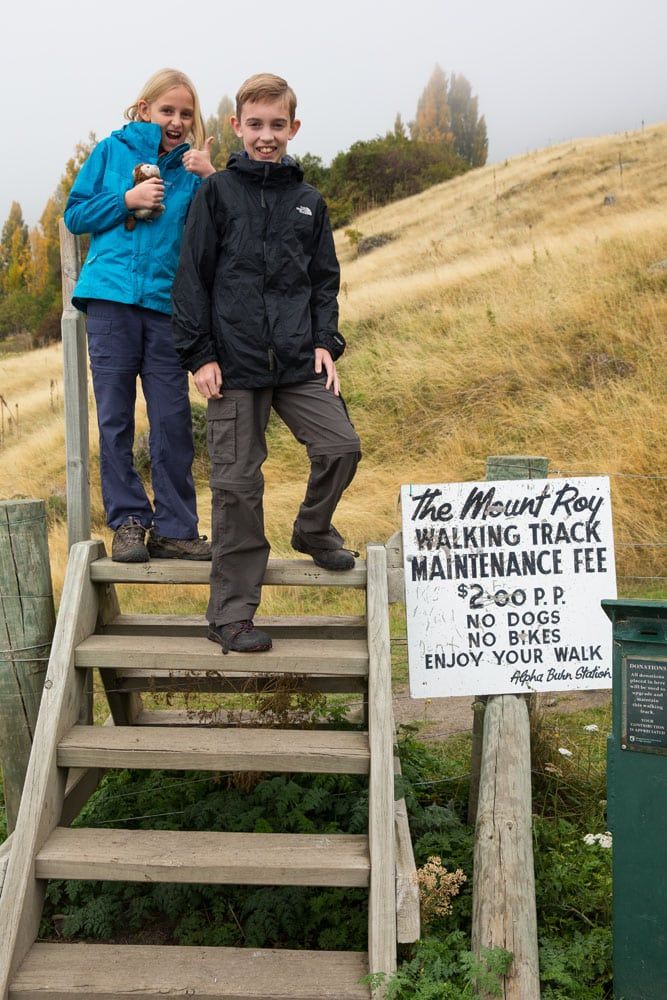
(258, 277)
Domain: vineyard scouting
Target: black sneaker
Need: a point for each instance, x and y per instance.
(240, 637)
(335, 558)
(128, 542)
(159, 547)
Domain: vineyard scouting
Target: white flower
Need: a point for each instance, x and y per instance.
(592, 728)
(603, 839)
(565, 753)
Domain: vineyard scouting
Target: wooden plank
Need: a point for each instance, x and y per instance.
(5, 848)
(206, 857)
(223, 717)
(382, 896)
(407, 888)
(280, 573)
(504, 912)
(395, 569)
(498, 467)
(41, 804)
(215, 749)
(27, 620)
(124, 706)
(286, 626)
(119, 972)
(236, 683)
(165, 653)
(81, 783)
(75, 392)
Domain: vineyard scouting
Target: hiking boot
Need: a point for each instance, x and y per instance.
(240, 637)
(128, 542)
(328, 558)
(160, 547)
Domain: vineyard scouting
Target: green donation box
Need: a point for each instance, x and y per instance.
(637, 798)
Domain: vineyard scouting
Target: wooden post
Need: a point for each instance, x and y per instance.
(504, 912)
(75, 389)
(497, 467)
(27, 620)
(382, 898)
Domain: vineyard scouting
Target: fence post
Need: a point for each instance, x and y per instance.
(27, 620)
(75, 386)
(504, 913)
(497, 467)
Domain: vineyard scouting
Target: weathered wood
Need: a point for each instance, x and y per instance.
(75, 392)
(163, 654)
(5, 848)
(284, 626)
(407, 889)
(382, 896)
(81, 783)
(504, 912)
(280, 573)
(205, 857)
(395, 569)
(211, 749)
(27, 620)
(181, 717)
(498, 467)
(41, 804)
(125, 706)
(119, 972)
(478, 709)
(238, 682)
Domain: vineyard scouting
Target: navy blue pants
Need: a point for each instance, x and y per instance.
(124, 342)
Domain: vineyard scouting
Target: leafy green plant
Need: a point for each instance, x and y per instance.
(445, 969)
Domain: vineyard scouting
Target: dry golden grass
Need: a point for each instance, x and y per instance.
(513, 313)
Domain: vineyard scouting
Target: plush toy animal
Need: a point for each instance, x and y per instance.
(142, 172)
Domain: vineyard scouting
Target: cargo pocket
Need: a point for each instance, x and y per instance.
(99, 339)
(221, 432)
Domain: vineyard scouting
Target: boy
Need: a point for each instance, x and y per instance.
(256, 321)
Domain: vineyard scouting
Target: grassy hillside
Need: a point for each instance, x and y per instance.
(513, 311)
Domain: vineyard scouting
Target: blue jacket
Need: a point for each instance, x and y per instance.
(135, 267)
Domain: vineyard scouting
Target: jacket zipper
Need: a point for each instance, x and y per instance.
(271, 355)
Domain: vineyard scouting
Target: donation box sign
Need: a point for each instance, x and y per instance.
(503, 586)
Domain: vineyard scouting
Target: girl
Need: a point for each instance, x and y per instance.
(125, 289)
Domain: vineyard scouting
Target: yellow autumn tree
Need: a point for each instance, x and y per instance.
(226, 140)
(433, 119)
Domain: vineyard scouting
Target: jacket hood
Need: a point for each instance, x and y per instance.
(143, 138)
(286, 172)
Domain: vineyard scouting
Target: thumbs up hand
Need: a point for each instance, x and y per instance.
(198, 161)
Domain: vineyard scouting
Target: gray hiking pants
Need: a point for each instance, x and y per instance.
(237, 449)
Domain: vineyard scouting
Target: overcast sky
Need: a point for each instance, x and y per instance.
(544, 70)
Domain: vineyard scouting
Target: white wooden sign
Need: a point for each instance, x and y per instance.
(503, 585)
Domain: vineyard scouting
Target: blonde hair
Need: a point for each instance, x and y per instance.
(265, 87)
(160, 82)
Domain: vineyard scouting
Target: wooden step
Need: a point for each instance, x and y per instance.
(213, 858)
(163, 654)
(279, 626)
(210, 749)
(280, 572)
(211, 682)
(119, 972)
(230, 718)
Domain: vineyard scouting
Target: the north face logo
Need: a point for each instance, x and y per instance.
(303, 209)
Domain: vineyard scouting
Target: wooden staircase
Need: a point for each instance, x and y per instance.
(135, 653)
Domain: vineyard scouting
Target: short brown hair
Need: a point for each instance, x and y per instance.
(265, 87)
